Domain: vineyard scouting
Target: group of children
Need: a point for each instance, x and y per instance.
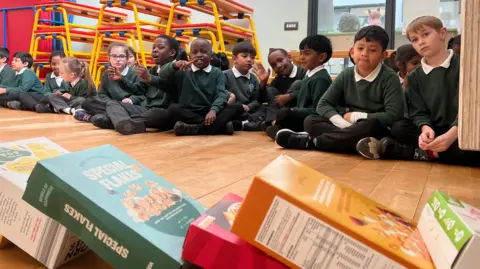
(368, 108)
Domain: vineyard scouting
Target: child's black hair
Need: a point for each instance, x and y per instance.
(318, 43)
(405, 53)
(457, 40)
(351, 58)
(244, 47)
(56, 53)
(278, 49)
(373, 33)
(24, 57)
(4, 53)
(133, 52)
(182, 55)
(391, 62)
(220, 60)
(172, 43)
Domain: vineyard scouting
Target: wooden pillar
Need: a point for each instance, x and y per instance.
(469, 107)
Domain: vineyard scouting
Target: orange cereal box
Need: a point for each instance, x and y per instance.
(308, 220)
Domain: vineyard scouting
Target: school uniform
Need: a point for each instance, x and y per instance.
(433, 95)
(201, 90)
(129, 86)
(53, 84)
(312, 88)
(283, 85)
(375, 102)
(25, 81)
(78, 90)
(7, 76)
(152, 113)
(247, 92)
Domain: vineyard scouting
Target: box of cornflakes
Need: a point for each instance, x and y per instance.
(31, 230)
(308, 220)
(210, 244)
(123, 211)
(451, 230)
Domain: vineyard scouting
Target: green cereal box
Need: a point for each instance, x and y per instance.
(31, 230)
(128, 215)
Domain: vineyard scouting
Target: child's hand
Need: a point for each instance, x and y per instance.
(426, 137)
(182, 65)
(211, 117)
(443, 142)
(142, 73)
(113, 73)
(58, 93)
(67, 96)
(246, 108)
(127, 101)
(262, 73)
(347, 115)
(232, 98)
(283, 99)
(405, 82)
(3, 91)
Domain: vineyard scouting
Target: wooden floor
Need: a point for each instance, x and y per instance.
(209, 167)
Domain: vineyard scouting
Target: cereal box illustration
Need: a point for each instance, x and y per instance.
(451, 230)
(210, 244)
(38, 235)
(128, 215)
(308, 220)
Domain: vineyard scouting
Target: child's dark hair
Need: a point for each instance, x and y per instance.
(405, 53)
(454, 41)
(373, 33)
(131, 51)
(172, 43)
(24, 57)
(278, 49)
(4, 53)
(391, 62)
(80, 69)
(244, 47)
(318, 43)
(181, 54)
(56, 53)
(220, 60)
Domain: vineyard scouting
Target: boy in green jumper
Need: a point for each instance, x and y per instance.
(244, 88)
(431, 132)
(152, 113)
(202, 106)
(315, 51)
(25, 80)
(7, 75)
(370, 91)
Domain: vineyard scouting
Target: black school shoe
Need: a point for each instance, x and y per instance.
(16, 105)
(272, 131)
(388, 148)
(229, 128)
(130, 127)
(289, 139)
(102, 121)
(41, 108)
(237, 125)
(182, 128)
(252, 127)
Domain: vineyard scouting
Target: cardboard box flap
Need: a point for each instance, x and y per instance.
(469, 214)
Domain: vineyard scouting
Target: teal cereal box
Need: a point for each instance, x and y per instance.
(124, 212)
(31, 230)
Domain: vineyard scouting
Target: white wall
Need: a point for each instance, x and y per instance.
(269, 24)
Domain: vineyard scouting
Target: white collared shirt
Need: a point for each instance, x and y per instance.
(310, 73)
(294, 72)
(206, 69)
(73, 83)
(237, 73)
(58, 79)
(125, 71)
(21, 71)
(371, 77)
(401, 79)
(446, 64)
(1, 68)
(159, 67)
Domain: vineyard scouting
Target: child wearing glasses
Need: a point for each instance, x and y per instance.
(119, 83)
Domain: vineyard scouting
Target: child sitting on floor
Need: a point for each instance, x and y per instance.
(315, 51)
(25, 81)
(431, 133)
(81, 86)
(7, 75)
(244, 89)
(371, 92)
(406, 59)
(54, 84)
(455, 44)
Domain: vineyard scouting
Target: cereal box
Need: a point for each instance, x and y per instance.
(308, 220)
(451, 230)
(38, 235)
(128, 215)
(210, 244)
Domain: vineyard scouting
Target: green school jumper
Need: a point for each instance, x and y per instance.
(130, 86)
(199, 91)
(7, 77)
(79, 90)
(27, 81)
(246, 90)
(156, 96)
(434, 97)
(381, 99)
(51, 85)
(282, 84)
(311, 90)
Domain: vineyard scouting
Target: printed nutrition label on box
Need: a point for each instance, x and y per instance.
(312, 244)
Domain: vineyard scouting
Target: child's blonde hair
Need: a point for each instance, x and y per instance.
(422, 21)
(73, 65)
